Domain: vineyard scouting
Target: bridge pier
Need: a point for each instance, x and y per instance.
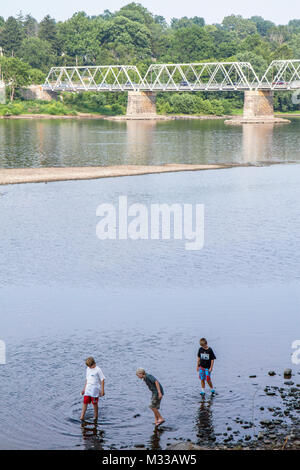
(141, 105)
(258, 109)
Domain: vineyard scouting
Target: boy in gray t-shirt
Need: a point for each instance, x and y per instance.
(157, 393)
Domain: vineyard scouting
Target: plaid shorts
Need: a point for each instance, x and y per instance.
(155, 402)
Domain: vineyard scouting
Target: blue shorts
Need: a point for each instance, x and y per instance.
(204, 374)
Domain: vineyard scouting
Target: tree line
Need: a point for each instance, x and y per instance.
(133, 35)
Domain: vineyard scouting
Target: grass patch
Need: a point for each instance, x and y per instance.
(56, 108)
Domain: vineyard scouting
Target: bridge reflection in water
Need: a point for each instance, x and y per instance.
(257, 142)
(256, 145)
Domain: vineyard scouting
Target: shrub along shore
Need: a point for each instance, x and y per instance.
(95, 105)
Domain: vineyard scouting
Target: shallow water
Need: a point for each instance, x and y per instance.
(66, 295)
(73, 142)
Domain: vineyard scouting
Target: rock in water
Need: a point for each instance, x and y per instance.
(271, 373)
(287, 373)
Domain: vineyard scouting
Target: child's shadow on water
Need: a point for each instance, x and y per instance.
(93, 437)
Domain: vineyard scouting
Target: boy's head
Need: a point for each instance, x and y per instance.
(203, 342)
(140, 373)
(90, 362)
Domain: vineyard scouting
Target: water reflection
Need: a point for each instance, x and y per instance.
(93, 437)
(257, 142)
(155, 438)
(205, 430)
(75, 142)
(140, 142)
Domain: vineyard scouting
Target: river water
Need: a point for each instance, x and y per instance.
(73, 142)
(66, 295)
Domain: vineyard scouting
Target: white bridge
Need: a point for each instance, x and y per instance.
(206, 76)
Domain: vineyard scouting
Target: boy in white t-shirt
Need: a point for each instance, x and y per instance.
(94, 381)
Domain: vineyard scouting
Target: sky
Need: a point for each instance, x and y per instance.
(278, 11)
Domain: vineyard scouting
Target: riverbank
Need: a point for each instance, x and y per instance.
(50, 174)
(166, 117)
(153, 117)
(55, 116)
(156, 117)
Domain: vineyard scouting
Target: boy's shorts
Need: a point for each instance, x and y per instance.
(87, 399)
(204, 374)
(155, 402)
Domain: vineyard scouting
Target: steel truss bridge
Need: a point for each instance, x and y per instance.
(206, 76)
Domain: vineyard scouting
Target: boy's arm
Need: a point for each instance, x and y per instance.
(102, 379)
(198, 363)
(102, 388)
(158, 389)
(83, 391)
(211, 365)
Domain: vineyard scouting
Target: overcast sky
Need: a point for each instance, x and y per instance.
(278, 11)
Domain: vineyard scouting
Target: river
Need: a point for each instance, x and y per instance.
(66, 295)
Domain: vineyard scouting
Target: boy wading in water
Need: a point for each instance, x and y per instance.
(94, 381)
(205, 363)
(157, 393)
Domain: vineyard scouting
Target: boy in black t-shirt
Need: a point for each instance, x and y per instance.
(205, 362)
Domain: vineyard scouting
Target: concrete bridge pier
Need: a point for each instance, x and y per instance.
(141, 105)
(258, 109)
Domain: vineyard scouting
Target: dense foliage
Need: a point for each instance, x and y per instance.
(133, 35)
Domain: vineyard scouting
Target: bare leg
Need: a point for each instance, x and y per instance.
(203, 383)
(95, 410)
(84, 408)
(210, 383)
(158, 417)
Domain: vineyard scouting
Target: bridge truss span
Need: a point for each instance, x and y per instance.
(201, 76)
(94, 78)
(281, 75)
(205, 76)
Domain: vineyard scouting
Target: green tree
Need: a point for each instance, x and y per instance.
(11, 36)
(15, 73)
(262, 25)
(192, 44)
(37, 53)
(294, 26)
(278, 34)
(125, 39)
(136, 12)
(185, 22)
(294, 44)
(78, 37)
(30, 26)
(241, 26)
(48, 32)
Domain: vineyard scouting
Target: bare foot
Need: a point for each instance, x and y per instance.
(160, 422)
